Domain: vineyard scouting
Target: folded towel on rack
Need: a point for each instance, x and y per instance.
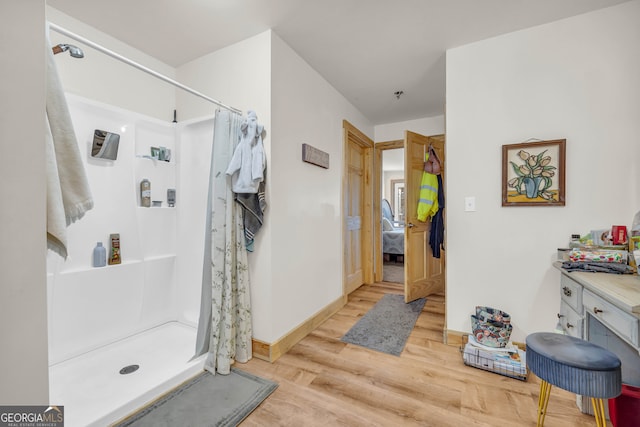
(68, 193)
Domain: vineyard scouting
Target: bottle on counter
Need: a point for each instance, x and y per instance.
(575, 241)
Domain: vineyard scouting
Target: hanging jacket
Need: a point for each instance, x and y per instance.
(436, 236)
(428, 201)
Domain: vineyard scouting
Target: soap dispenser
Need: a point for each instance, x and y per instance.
(99, 255)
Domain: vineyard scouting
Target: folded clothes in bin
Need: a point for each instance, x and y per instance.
(491, 327)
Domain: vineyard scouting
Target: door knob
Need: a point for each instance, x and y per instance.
(410, 225)
(596, 310)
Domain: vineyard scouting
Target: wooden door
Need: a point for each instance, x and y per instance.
(353, 205)
(424, 274)
(357, 209)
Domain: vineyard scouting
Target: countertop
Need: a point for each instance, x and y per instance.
(622, 290)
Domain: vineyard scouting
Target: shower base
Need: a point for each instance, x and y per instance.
(95, 393)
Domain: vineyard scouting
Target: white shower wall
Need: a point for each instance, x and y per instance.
(196, 142)
(91, 307)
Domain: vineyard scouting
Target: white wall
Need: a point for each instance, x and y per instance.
(305, 207)
(425, 126)
(23, 292)
(105, 79)
(237, 75)
(576, 79)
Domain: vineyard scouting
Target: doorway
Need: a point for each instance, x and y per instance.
(424, 274)
(389, 204)
(393, 215)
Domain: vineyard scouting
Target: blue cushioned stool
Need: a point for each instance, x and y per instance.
(574, 365)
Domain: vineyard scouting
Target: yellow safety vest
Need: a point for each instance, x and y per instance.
(428, 202)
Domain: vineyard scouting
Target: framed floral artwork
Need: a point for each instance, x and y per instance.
(533, 173)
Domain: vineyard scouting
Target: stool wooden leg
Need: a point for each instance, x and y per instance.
(543, 401)
(598, 412)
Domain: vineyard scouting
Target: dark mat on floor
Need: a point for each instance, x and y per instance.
(206, 400)
(387, 325)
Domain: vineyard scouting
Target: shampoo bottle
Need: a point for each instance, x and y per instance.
(99, 255)
(145, 193)
(114, 256)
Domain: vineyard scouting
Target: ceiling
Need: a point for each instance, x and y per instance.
(366, 49)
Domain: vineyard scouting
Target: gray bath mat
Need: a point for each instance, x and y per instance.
(387, 325)
(206, 400)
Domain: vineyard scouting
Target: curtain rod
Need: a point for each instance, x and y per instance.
(141, 67)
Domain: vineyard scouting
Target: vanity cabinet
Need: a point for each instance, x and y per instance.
(604, 309)
(613, 300)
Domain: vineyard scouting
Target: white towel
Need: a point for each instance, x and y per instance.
(68, 193)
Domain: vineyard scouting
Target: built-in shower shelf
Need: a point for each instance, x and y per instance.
(153, 159)
(106, 267)
(160, 257)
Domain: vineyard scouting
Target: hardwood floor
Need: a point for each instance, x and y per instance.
(325, 382)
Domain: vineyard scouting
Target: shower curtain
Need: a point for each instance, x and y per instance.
(224, 328)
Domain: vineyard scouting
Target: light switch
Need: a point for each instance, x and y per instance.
(470, 204)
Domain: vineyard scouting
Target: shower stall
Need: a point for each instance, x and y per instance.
(123, 334)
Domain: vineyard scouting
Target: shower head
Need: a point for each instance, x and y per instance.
(75, 51)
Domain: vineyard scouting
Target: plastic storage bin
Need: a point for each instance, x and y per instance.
(624, 410)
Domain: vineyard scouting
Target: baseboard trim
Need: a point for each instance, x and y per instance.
(272, 352)
(260, 349)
